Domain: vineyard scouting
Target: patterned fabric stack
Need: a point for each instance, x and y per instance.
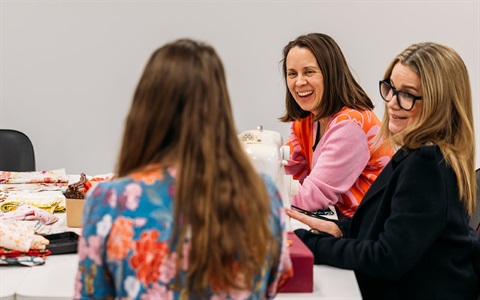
(20, 245)
(28, 200)
(42, 189)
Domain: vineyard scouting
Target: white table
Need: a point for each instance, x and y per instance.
(53, 280)
(56, 278)
(10, 279)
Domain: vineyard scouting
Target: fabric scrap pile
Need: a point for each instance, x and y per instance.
(43, 189)
(19, 245)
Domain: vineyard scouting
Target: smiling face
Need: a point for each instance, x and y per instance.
(405, 79)
(304, 78)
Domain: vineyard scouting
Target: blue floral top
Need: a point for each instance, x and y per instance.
(124, 248)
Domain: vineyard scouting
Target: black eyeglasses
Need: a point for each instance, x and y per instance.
(405, 100)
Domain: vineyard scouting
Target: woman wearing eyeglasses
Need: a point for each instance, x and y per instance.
(333, 153)
(409, 238)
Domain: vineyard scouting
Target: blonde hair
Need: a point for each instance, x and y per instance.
(446, 116)
(181, 110)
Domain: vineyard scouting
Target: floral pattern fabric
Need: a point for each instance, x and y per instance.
(12, 183)
(17, 237)
(30, 258)
(19, 245)
(125, 251)
(50, 176)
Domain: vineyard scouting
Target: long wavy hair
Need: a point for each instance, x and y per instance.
(446, 117)
(340, 87)
(181, 113)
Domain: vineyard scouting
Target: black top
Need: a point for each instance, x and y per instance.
(409, 238)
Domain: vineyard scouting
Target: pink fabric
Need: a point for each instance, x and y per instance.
(29, 212)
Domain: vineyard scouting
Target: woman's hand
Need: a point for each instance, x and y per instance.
(314, 223)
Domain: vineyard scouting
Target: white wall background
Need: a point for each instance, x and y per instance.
(68, 68)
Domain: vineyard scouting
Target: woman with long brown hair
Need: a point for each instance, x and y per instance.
(188, 216)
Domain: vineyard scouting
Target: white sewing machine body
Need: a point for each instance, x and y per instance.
(269, 156)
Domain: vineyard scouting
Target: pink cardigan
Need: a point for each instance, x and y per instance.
(344, 164)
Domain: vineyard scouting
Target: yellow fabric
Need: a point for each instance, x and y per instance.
(52, 202)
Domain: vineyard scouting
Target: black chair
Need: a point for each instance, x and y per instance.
(16, 151)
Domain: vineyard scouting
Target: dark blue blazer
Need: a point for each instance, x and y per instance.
(409, 238)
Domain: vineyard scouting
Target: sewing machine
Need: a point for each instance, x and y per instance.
(268, 154)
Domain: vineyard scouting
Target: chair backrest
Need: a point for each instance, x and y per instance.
(16, 151)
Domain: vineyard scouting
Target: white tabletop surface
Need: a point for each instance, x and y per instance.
(53, 280)
(56, 279)
(10, 279)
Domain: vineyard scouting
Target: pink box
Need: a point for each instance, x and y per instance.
(302, 260)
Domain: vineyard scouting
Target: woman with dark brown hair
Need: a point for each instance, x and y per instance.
(334, 154)
(188, 216)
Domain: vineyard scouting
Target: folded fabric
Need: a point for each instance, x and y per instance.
(51, 176)
(39, 242)
(17, 237)
(4, 252)
(31, 213)
(51, 201)
(29, 258)
(11, 188)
